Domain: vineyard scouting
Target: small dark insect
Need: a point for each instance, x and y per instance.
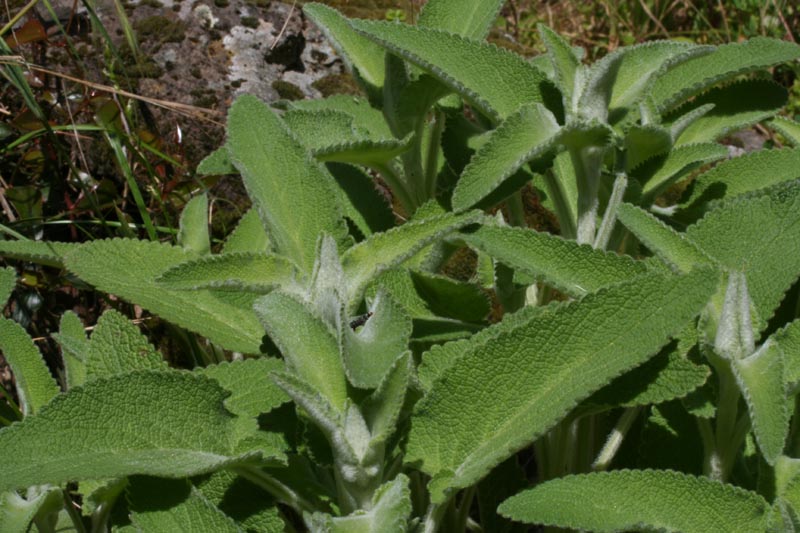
(359, 321)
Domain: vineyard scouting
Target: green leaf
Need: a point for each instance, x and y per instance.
(17, 513)
(252, 390)
(493, 80)
(672, 247)
(726, 62)
(660, 172)
(787, 127)
(118, 347)
(294, 194)
(193, 234)
(245, 271)
(446, 297)
(740, 175)
(364, 261)
(365, 117)
(361, 55)
(310, 348)
(129, 268)
(567, 69)
(35, 385)
(106, 429)
(528, 133)
(369, 350)
(538, 374)
(761, 379)
(363, 203)
(635, 499)
(503, 481)
(469, 18)
(164, 506)
(736, 106)
(217, 162)
(645, 142)
(248, 235)
(71, 337)
(788, 338)
(389, 513)
(8, 280)
(758, 234)
(382, 408)
(41, 252)
(251, 507)
(566, 265)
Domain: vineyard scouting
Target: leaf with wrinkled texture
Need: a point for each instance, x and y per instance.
(35, 385)
(106, 429)
(41, 252)
(193, 233)
(71, 337)
(118, 347)
(365, 117)
(16, 512)
(458, 434)
(389, 513)
(8, 280)
(787, 127)
(659, 172)
(217, 162)
(249, 271)
(469, 18)
(252, 390)
(363, 203)
(788, 338)
(248, 235)
(251, 507)
(625, 500)
(566, 65)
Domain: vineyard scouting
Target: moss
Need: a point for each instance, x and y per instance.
(337, 84)
(249, 22)
(287, 91)
(161, 29)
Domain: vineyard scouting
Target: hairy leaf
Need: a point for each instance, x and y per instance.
(118, 347)
(252, 390)
(105, 429)
(193, 233)
(363, 203)
(635, 499)
(248, 235)
(35, 385)
(248, 271)
(788, 339)
(8, 280)
(217, 162)
(389, 513)
(16, 512)
(537, 375)
(365, 117)
(788, 128)
(566, 66)
(382, 408)
(42, 252)
(251, 507)
(469, 18)
(129, 268)
(495, 81)
(659, 172)
(294, 194)
(71, 337)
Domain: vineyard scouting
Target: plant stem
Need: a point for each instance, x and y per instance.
(277, 489)
(615, 439)
(516, 210)
(398, 186)
(587, 162)
(610, 216)
(562, 208)
(729, 435)
(432, 154)
(463, 510)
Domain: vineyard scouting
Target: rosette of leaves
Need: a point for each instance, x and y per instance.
(366, 390)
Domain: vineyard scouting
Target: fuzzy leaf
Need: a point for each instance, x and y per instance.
(761, 379)
(250, 506)
(294, 194)
(660, 172)
(370, 350)
(363, 203)
(364, 261)
(758, 234)
(566, 65)
(495, 81)
(17, 513)
(672, 247)
(389, 513)
(365, 117)
(537, 374)
(8, 280)
(529, 132)
(360, 54)
(258, 272)
(71, 337)
(35, 385)
(311, 350)
(787, 127)
(106, 429)
(449, 298)
(382, 408)
(252, 390)
(469, 18)
(41, 252)
(645, 142)
(129, 268)
(193, 233)
(566, 265)
(726, 62)
(750, 172)
(164, 506)
(626, 500)
(736, 106)
(322, 128)
(788, 339)
(118, 347)
(217, 162)
(248, 235)
(364, 151)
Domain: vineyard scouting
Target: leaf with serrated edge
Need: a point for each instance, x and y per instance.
(749, 172)
(365, 117)
(16, 512)
(644, 142)
(41, 252)
(293, 193)
(760, 235)
(382, 408)
(310, 348)
(128, 269)
(564, 264)
(250, 506)
(726, 62)
(252, 390)
(787, 127)
(364, 261)
(248, 235)
(217, 162)
(8, 280)
(659, 172)
(71, 337)
(736, 106)
(118, 347)
(162, 506)
(788, 338)
(566, 65)
(389, 513)
(363, 203)
(237, 271)
(672, 247)
(470, 18)
(193, 233)
(360, 54)
(320, 128)
(626, 500)
(538, 375)
(495, 81)
(35, 385)
(105, 429)
(529, 132)
(761, 379)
